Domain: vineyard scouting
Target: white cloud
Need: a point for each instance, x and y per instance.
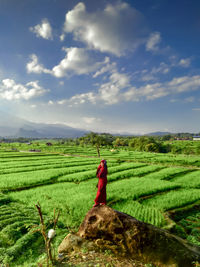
(62, 37)
(146, 75)
(43, 30)
(90, 120)
(61, 102)
(109, 67)
(106, 30)
(119, 89)
(50, 102)
(153, 42)
(35, 67)
(185, 62)
(77, 61)
(10, 90)
(61, 83)
(108, 92)
(82, 98)
(157, 90)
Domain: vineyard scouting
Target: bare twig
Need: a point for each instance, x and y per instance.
(45, 236)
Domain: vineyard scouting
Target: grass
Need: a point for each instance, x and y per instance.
(141, 212)
(173, 199)
(144, 185)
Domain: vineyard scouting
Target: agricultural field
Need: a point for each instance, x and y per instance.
(160, 189)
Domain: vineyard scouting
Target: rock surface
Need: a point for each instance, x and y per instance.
(128, 237)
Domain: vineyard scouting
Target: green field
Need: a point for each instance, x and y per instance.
(160, 189)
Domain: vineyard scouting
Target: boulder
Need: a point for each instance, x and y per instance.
(128, 237)
(73, 242)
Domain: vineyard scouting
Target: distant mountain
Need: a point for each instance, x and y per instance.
(11, 126)
(158, 133)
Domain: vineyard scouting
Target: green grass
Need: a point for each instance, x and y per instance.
(141, 212)
(134, 172)
(190, 180)
(134, 188)
(173, 199)
(144, 185)
(168, 173)
(74, 200)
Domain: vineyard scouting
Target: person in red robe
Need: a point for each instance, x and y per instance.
(101, 192)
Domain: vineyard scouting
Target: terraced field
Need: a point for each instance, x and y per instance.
(149, 187)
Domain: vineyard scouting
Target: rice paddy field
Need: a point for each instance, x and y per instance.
(160, 189)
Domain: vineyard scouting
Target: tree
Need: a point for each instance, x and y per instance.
(96, 140)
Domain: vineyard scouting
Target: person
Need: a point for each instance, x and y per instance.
(102, 176)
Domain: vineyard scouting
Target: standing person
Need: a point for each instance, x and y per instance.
(101, 192)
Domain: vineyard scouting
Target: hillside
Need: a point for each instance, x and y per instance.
(11, 126)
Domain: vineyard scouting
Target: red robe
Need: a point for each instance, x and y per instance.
(101, 192)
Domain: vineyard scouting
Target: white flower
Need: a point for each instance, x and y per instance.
(51, 233)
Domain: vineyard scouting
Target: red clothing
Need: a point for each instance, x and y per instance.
(101, 192)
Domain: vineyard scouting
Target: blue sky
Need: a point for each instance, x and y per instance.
(107, 66)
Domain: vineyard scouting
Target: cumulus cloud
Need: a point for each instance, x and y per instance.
(108, 92)
(185, 62)
(82, 98)
(109, 67)
(146, 75)
(77, 61)
(61, 102)
(106, 30)
(157, 90)
(90, 120)
(153, 42)
(62, 37)
(10, 90)
(50, 102)
(35, 67)
(119, 89)
(43, 30)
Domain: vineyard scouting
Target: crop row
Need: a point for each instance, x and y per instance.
(30, 158)
(168, 173)
(173, 199)
(47, 165)
(85, 175)
(140, 212)
(14, 233)
(74, 200)
(134, 188)
(134, 172)
(190, 180)
(42, 161)
(24, 179)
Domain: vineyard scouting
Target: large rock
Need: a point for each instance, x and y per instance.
(126, 236)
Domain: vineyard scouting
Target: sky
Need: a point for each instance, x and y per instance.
(104, 66)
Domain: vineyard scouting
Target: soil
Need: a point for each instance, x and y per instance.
(97, 259)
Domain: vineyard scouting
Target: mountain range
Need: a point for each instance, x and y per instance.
(12, 126)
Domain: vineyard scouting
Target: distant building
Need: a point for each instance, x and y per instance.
(196, 138)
